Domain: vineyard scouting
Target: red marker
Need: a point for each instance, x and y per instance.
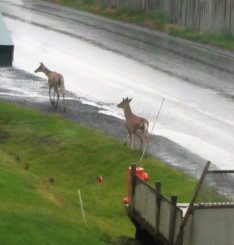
(99, 179)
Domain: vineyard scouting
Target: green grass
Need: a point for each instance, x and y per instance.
(31, 215)
(36, 211)
(159, 21)
(222, 39)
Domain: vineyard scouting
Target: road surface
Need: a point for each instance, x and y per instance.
(104, 60)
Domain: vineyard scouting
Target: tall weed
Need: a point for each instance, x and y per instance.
(161, 18)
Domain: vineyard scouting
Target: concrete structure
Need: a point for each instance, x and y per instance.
(160, 221)
(6, 45)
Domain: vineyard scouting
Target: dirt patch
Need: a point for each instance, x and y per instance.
(110, 10)
(173, 26)
(149, 23)
(96, 7)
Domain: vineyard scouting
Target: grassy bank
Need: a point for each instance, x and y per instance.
(45, 159)
(158, 20)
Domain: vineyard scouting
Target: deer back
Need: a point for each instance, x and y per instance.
(137, 124)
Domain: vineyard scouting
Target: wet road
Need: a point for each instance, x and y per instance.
(103, 61)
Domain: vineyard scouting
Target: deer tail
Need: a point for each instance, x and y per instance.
(147, 135)
(61, 83)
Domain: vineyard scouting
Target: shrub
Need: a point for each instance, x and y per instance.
(161, 18)
(88, 2)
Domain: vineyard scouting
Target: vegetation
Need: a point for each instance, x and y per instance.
(159, 21)
(45, 159)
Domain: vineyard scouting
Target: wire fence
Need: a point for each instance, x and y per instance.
(218, 186)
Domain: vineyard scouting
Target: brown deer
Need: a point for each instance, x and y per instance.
(135, 125)
(55, 81)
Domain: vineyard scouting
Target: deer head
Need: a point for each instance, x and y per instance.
(124, 103)
(40, 68)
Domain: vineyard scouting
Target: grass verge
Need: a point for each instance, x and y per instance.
(45, 159)
(159, 21)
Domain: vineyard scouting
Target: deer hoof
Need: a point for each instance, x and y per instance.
(125, 143)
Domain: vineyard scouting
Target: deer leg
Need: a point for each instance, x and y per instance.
(127, 139)
(64, 106)
(141, 140)
(57, 92)
(54, 96)
(131, 140)
(51, 101)
(147, 139)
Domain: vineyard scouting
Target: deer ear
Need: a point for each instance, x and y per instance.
(130, 100)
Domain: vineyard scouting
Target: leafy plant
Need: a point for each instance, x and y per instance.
(161, 18)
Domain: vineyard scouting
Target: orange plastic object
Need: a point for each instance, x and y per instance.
(139, 172)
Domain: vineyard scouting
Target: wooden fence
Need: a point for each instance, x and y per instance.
(159, 215)
(167, 224)
(201, 15)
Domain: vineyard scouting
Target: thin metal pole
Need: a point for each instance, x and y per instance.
(81, 206)
(156, 118)
(97, 201)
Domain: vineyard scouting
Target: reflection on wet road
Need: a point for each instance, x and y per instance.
(104, 60)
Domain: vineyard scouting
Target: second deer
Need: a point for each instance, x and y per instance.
(55, 81)
(135, 125)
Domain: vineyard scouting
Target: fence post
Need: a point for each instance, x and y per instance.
(158, 204)
(132, 186)
(172, 218)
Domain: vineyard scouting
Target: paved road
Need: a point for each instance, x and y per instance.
(104, 60)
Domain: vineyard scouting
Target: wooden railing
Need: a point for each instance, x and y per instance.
(149, 207)
(202, 223)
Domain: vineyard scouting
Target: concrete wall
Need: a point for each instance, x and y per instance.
(210, 225)
(201, 15)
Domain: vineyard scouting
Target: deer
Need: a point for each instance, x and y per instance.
(135, 125)
(56, 81)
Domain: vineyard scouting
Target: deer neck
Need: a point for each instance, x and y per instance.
(128, 112)
(46, 71)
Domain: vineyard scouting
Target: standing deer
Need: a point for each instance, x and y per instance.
(55, 81)
(135, 125)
